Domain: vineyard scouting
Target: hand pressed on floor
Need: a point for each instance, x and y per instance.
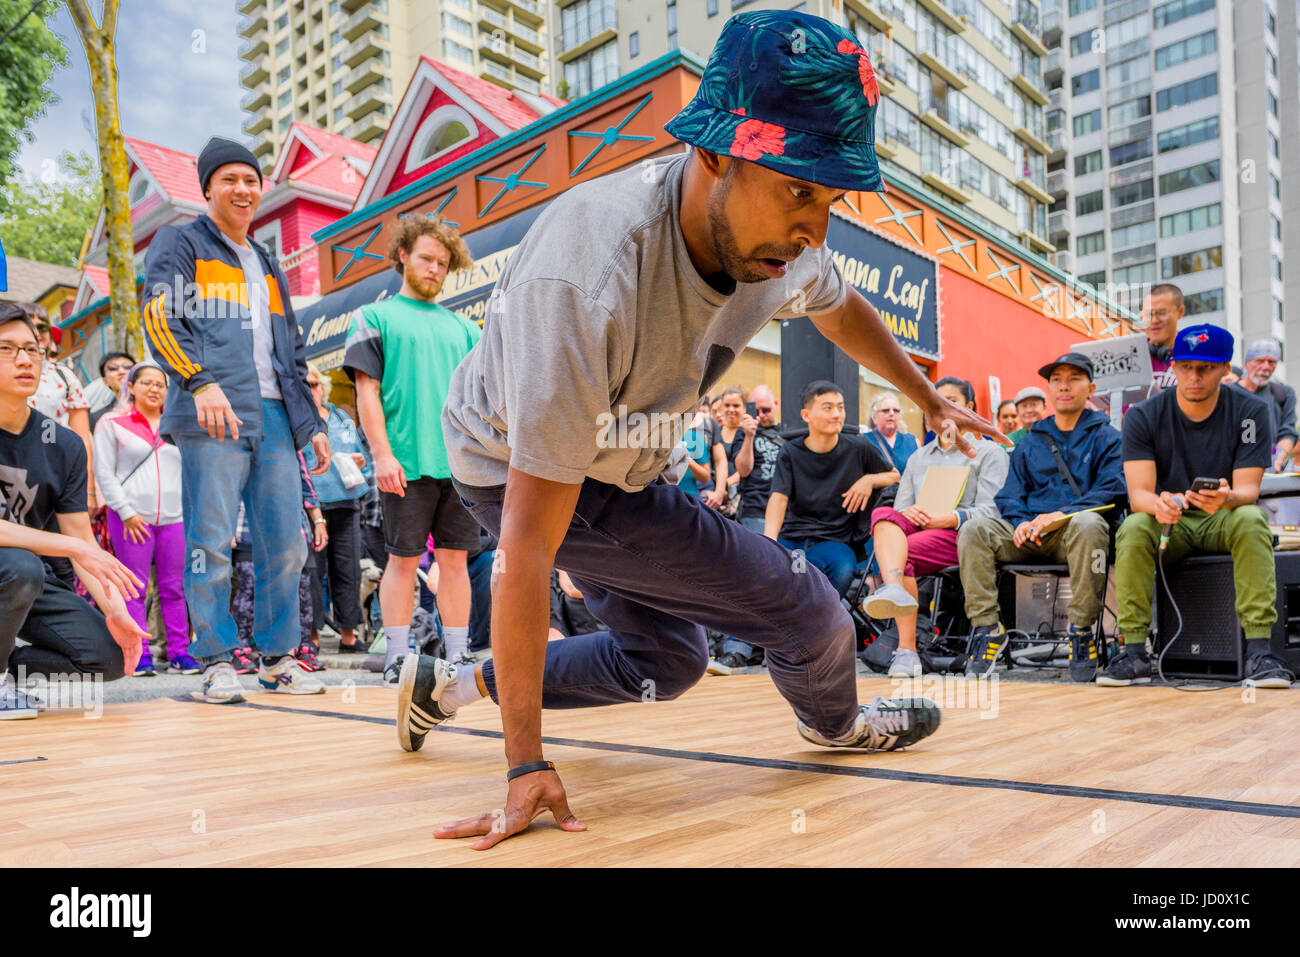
(529, 795)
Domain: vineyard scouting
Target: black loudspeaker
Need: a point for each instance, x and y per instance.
(1211, 643)
(807, 355)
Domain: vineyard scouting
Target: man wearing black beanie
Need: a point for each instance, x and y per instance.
(213, 300)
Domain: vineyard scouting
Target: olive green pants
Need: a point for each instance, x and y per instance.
(1241, 532)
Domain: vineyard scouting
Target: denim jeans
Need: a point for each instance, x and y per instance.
(263, 472)
(480, 599)
(659, 567)
(836, 560)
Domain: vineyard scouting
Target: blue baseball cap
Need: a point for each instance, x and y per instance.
(1203, 342)
(793, 93)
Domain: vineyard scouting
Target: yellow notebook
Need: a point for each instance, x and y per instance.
(1053, 526)
(942, 488)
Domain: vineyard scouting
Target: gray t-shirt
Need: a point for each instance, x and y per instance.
(259, 307)
(601, 337)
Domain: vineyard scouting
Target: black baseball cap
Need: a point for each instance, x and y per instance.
(1076, 359)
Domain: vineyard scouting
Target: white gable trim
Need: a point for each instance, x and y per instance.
(432, 125)
(295, 136)
(427, 78)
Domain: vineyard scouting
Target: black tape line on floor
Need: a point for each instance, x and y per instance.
(1191, 802)
(24, 760)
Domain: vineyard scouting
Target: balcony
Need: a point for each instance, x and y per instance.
(363, 47)
(494, 47)
(367, 18)
(1132, 173)
(253, 74)
(256, 100)
(949, 18)
(1115, 12)
(1062, 260)
(1056, 142)
(867, 10)
(1052, 25)
(1053, 69)
(248, 6)
(263, 149)
(369, 127)
(1032, 139)
(254, 48)
(529, 9)
(1133, 255)
(1129, 50)
(1025, 26)
(1056, 98)
(1128, 215)
(351, 6)
(526, 35)
(1141, 130)
(1030, 89)
(372, 97)
(1129, 91)
(255, 124)
(490, 20)
(570, 49)
(254, 23)
(935, 65)
(368, 71)
(1059, 182)
(1060, 226)
(947, 188)
(1031, 188)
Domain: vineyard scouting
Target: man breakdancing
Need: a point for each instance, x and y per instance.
(632, 295)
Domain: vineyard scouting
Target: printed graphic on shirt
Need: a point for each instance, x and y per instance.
(16, 496)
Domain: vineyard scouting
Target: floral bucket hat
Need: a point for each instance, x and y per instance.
(791, 92)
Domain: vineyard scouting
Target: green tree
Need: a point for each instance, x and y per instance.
(47, 218)
(29, 52)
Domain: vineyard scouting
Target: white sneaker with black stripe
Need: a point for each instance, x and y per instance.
(887, 724)
(422, 682)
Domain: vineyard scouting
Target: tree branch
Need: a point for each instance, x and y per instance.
(21, 20)
(109, 26)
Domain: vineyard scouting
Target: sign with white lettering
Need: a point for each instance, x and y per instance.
(902, 285)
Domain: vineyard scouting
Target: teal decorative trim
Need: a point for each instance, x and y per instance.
(358, 252)
(434, 215)
(512, 182)
(611, 135)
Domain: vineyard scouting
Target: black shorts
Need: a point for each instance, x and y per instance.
(430, 506)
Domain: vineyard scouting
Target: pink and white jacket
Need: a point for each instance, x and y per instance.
(122, 441)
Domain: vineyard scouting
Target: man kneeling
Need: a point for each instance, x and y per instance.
(1197, 430)
(1067, 462)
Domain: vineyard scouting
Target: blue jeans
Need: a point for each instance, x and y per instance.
(836, 560)
(480, 599)
(659, 567)
(263, 472)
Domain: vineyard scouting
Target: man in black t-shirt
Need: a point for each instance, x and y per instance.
(824, 484)
(756, 484)
(43, 514)
(1199, 429)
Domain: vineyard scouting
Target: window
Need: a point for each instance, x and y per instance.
(443, 130)
(1202, 44)
(1189, 177)
(1189, 92)
(1197, 131)
(1081, 6)
(633, 43)
(1133, 235)
(1088, 203)
(1276, 225)
(1085, 82)
(1190, 220)
(1137, 68)
(336, 38)
(284, 99)
(1087, 163)
(1274, 187)
(1276, 261)
(1209, 301)
(458, 51)
(338, 114)
(1130, 111)
(1132, 193)
(1184, 263)
(1270, 21)
(282, 21)
(592, 70)
(1086, 123)
(581, 21)
(1274, 145)
(1271, 59)
(1272, 102)
(1094, 279)
(282, 46)
(1081, 43)
(138, 189)
(1126, 31)
(269, 236)
(1135, 275)
(1091, 243)
(338, 87)
(1277, 310)
(284, 123)
(1128, 152)
(713, 8)
(457, 25)
(672, 22)
(1172, 12)
(283, 75)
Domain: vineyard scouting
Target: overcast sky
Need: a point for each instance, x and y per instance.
(175, 87)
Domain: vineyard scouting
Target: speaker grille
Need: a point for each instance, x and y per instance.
(1211, 641)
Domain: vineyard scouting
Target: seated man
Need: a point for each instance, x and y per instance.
(43, 513)
(823, 483)
(912, 543)
(1199, 429)
(1068, 462)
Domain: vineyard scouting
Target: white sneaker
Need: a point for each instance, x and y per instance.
(889, 601)
(15, 704)
(221, 684)
(287, 676)
(905, 664)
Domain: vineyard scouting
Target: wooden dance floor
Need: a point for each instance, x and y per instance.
(1061, 775)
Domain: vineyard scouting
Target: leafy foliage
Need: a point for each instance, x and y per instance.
(46, 218)
(27, 58)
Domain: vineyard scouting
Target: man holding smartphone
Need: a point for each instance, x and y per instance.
(1193, 460)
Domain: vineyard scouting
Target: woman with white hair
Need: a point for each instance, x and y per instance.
(139, 476)
(887, 433)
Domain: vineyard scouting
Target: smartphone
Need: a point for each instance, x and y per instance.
(1202, 484)
(751, 409)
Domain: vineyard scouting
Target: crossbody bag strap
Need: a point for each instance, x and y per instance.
(1063, 468)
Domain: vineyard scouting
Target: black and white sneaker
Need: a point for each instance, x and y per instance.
(422, 681)
(1132, 666)
(986, 643)
(1268, 671)
(1083, 654)
(15, 704)
(884, 725)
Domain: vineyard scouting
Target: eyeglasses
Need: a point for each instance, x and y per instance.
(763, 409)
(10, 351)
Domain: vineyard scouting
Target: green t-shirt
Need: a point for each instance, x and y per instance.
(412, 348)
(1017, 435)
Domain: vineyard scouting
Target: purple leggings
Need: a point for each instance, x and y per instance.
(165, 550)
